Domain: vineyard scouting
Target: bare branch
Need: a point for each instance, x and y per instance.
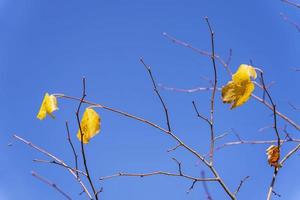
(51, 184)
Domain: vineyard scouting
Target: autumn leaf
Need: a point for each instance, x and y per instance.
(90, 125)
(49, 105)
(239, 89)
(273, 155)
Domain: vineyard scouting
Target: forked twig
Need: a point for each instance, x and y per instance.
(43, 151)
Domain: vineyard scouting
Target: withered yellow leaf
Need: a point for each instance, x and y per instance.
(49, 105)
(238, 90)
(273, 155)
(90, 125)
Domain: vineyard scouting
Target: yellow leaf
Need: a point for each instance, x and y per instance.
(273, 155)
(238, 91)
(49, 105)
(244, 73)
(90, 125)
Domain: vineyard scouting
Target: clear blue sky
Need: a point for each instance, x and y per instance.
(48, 46)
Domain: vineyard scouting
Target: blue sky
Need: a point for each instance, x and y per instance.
(48, 46)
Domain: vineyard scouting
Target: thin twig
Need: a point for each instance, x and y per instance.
(57, 163)
(284, 117)
(82, 146)
(43, 151)
(157, 173)
(179, 166)
(289, 154)
(221, 136)
(198, 114)
(254, 142)
(228, 60)
(192, 90)
(192, 186)
(199, 51)
(240, 185)
(293, 106)
(158, 94)
(293, 23)
(174, 148)
(51, 184)
(207, 193)
(212, 100)
(73, 149)
(291, 3)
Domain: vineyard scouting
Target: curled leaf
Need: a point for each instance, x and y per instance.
(273, 155)
(239, 89)
(90, 125)
(49, 105)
